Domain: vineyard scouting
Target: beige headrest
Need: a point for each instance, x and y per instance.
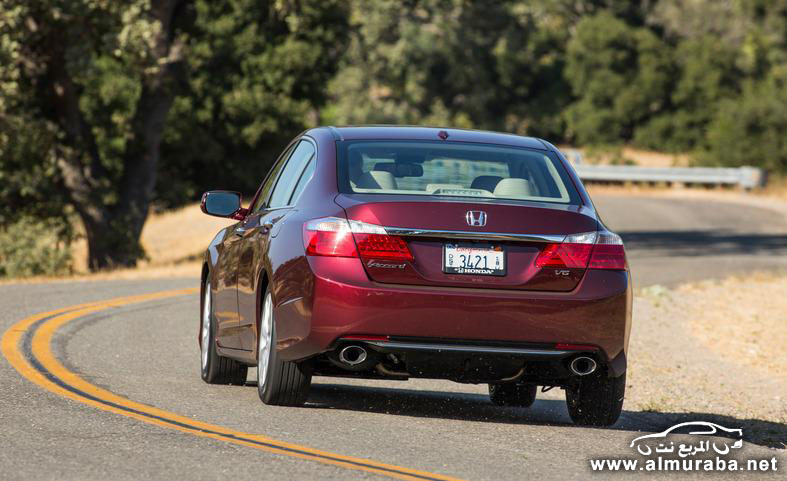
(514, 188)
(377, 179)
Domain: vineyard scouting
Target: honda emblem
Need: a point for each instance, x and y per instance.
(476, 218)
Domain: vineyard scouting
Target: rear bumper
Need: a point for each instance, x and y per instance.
(344, 302)
(471, 361)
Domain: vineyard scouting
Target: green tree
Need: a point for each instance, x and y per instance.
(257, 75)
(706, 74)
(91, 83)
(99, 99)
(750, 129)
(620, 75)
(483, 64)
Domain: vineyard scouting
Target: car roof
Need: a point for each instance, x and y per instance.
(408, 132)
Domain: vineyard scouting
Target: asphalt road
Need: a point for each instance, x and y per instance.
(146, 352)
(670, 241)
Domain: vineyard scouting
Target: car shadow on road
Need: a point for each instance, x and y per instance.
(704, 242)
(478, 408)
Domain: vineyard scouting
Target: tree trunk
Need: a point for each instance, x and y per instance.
(113, 232)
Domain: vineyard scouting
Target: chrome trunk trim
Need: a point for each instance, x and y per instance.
(473, 235)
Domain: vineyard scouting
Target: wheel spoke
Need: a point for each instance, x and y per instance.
(206, 315)
(265, 341)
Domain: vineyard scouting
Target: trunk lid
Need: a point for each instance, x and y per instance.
(520, 229)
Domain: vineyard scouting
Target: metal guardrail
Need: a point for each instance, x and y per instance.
(745, 177)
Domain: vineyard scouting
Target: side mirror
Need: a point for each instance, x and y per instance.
(223, 203)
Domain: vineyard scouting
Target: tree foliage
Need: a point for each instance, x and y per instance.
(94, 91)
(93, 81)
(620, 76)
(661, 75)
(482, 64)
(257, 73)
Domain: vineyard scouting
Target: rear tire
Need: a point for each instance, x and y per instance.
(596, 400)
(279, 383)
(216, 369)
(513, 394)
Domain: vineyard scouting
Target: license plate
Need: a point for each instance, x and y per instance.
(474, 260)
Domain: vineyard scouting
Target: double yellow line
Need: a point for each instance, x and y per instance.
(27, 346)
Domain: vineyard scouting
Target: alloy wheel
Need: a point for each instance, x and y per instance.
(263, 354)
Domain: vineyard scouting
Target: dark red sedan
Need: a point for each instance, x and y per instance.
(399, 252)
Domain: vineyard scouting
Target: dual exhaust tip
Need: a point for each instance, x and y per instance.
(354, 356)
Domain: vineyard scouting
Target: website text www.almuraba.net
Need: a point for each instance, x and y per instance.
(664, 464)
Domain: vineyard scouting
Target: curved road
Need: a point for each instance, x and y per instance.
(81, 421)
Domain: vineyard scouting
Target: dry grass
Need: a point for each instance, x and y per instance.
(776, 188)
(711, 347)
(174, 242)
(742, 317)
(170, 238)
(179, 235)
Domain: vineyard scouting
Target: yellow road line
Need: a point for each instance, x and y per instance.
(53, 376)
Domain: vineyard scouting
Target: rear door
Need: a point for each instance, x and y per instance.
(437, 228)
(225, 298)
(274, 203)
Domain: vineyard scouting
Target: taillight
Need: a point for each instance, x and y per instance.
(332, 236)
(593, 250)
(383, 246)
(573, 252)
(608, 253)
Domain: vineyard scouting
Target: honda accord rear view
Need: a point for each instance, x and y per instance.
(406, 252)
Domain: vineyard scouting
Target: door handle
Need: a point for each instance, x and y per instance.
(241, 231)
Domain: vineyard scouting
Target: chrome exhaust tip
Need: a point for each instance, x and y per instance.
(353, 355)
(583, 365)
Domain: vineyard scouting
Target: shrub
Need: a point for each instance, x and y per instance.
(750, 130)
(29, 247)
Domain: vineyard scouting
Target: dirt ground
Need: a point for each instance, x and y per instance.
(712, 347)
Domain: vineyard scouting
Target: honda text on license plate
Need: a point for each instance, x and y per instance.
(474, 259)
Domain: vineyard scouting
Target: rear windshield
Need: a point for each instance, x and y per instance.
(458, 170)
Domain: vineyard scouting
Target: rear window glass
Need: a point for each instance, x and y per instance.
(458, 170)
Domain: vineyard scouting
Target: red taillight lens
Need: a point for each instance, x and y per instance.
(329, 236)
(608, 253)
(334, 244)
(565, 255)
(602, 250)
(608, 257)
(573, 252)
(332, 236)
(383, 246)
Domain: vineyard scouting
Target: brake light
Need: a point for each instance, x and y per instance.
(592, 250)
(608, 253)
(383, 246)
(573, 252)
(332, 236)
